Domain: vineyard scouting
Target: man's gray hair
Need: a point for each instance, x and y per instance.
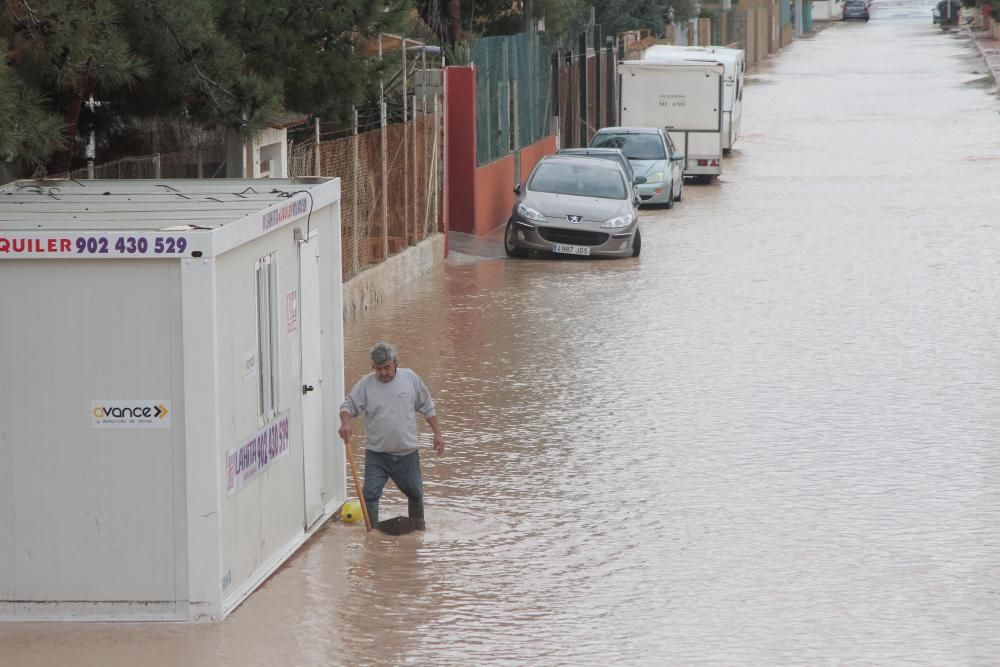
(382, 353)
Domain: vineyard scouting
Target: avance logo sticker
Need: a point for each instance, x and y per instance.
(130, 414)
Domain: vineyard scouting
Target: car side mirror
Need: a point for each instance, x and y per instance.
(676, 157)
(517, 189)
(639, 180)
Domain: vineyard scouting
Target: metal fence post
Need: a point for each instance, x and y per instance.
(413, 182)
(597, 80)
(434, 161)
(441, 136)
(353, 208)
(554, 91)
(420, 153)
(423, 141)
(385, 189)
(582, 101)
(406, 151)
(157, 168)
(515, 132)
(317, 163)
(611, 117)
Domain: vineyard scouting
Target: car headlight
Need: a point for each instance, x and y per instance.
(619, 222)
(655, 178)
(530, 213)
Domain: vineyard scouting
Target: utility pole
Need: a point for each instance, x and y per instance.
(798, 19)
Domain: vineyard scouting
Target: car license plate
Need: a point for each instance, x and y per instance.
(570, 249)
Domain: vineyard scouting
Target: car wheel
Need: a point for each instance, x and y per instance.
(509, 236)
(636, 243)
(680, 192)
(670, 197)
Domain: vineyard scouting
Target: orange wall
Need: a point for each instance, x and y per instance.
(494, 185)
(479, 198)
(535, 152)
(494, 194)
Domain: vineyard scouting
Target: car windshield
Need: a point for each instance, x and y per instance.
(578, 180)
(635, 146)
(855, 3)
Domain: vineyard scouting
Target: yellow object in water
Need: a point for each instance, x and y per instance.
(351, 511)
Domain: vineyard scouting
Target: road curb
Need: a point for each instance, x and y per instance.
(995, 71)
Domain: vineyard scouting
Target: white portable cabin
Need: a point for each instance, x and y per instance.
(685, 99)
(171, 361)
(734, 61)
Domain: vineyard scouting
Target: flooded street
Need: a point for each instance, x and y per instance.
(771, 439)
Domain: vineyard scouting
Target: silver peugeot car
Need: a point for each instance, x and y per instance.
(575, 206)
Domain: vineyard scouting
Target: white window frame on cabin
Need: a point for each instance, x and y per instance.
(268, 357)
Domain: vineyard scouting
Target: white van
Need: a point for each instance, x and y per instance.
(683, 98)
(734, 60)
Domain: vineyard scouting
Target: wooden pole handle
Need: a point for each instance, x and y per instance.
(357, 486)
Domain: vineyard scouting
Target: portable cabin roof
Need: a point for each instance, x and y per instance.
(70, 219)
(143, 205)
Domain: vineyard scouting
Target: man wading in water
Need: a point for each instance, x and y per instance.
(389, 396)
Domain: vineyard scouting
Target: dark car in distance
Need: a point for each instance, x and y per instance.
(856, 9)
(947, 12)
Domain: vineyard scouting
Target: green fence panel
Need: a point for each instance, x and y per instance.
(509, 68)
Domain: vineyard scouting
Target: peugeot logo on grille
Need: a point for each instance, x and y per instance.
(574, 218)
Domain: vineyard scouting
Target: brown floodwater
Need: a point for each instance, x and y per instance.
(772, 439)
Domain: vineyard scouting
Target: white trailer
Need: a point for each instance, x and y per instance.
(171, 355)
(684, 98)
(734, 60)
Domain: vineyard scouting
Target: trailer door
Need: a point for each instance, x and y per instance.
(312, 389)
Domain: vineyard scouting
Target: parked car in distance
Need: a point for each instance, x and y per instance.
(613, 154)
(946, 12)
(575, 206)
(652, 156)
(855, 9)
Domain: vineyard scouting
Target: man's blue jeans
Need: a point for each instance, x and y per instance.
(404, 471)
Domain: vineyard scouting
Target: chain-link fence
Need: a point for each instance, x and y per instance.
(206, 162)
(729, 28)
(390, 185)
(513, 100)
(390, 180)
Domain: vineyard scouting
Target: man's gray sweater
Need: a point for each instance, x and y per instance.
(389, 407)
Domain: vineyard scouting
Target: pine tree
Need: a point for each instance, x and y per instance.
(311, 48)
(197, 72)
(28, 132)
(69, 50)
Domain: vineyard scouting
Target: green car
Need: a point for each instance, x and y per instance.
(653, 157)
